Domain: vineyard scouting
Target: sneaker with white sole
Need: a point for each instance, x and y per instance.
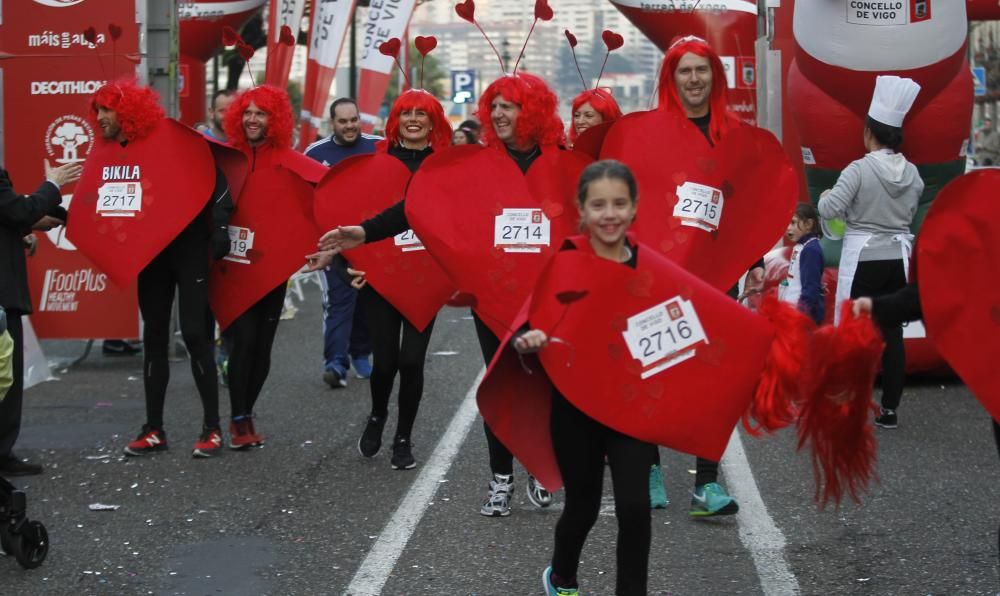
(150, 440)
(537, 494)
(552, 590)
(886, 418)
(711, 499)
(497, 503)
(209, 444)
(370, 442)
(402, 454)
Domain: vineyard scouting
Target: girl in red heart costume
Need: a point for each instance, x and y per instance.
(416, 127)
(591, 108)
(270, 230)
(134, 216)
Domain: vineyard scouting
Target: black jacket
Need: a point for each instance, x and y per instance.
(17, 214)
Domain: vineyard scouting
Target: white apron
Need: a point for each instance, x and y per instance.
(850, 254)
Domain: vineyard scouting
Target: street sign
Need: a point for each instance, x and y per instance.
(979, 80)
(463, 86)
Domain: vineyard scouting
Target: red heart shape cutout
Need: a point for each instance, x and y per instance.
(131, 228)
(600, 372)
(571, 38)
(612, 40)
(466, 10)
(464, 230)
(425, 45)
(234, 165)
(399, 269)
(90, 34)
(543, 11)
(230, 37)
(274, 241)
(115, 31)
(285, 36)
(390, 47)
(958, 262)
(670, 157)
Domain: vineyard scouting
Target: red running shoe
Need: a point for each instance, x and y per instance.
(148, 441)
(240, 436)
(208, 444)
(258, 440)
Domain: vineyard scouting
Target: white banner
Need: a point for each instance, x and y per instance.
(285, 12)
(386, 19)
(329, 27)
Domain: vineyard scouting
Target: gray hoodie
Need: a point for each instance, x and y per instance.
(878, 195)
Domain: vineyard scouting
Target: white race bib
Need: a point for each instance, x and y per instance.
(664, 335)
(699, 206)
(521, 230)
(240, 242)
(119, 199)
(408, 241)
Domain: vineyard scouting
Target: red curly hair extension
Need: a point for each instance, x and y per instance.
(138, 108)
(418, 99)
(270, 99)
(538, 121)
(602, 102)
(669, 100)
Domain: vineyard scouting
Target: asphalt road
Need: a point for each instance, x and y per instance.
(307, 515)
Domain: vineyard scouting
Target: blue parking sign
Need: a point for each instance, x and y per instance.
(463, 86)
(979, 80)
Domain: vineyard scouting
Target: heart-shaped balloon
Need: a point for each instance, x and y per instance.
(130, 202)
(466, 10)
(399, 269)
(271, 231)
(115, 31)
(958, 264)
(491, 227)
(543, 11)
(571, 38)
(612, 40)
(90, 34)
(285, 36)
(712, 210)
(390, 47)
(631, 351)
(425, 45)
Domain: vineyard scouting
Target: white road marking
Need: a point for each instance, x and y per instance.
(758, 532)
(381, 559)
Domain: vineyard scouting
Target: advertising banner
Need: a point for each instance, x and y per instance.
(385, 20)
(328, 29)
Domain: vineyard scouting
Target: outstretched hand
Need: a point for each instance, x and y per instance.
(319, 260)
(342, 238)
(64, 174)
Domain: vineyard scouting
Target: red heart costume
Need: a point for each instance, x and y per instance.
(490, 227)
(131, 201)
(713, 210)
(401, 270)
(614, 361)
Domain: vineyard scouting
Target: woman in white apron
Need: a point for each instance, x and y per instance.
(877, 196)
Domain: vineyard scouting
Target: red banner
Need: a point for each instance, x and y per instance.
(49, 66)
(326, 38)
(282, 13)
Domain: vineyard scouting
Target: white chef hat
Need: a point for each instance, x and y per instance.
(892, 99)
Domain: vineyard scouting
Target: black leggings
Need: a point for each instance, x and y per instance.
(390, 355)
(251, 336)
(182, 265)
(581, 444)
(877, 278)
(501, 459)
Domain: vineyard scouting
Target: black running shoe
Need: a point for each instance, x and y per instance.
(371, 440)
(402, 454)
(886, 418)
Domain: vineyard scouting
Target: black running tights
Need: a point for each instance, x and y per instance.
(877, 278)
(391, 354)
(182, 265)
(251, 336)
(501, 459)
(581, 444)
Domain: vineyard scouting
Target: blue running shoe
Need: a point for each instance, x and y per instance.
(362, 368)
(657, 492)
(711, 499)
(551, 590)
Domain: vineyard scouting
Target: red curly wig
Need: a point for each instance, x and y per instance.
(538, 122)
(418, 99)
(138, 108)
(602, 102)
(270, 99)
(717, 100)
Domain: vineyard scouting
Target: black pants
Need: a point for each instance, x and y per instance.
(501, 459)
(10, 406)
(251, 336)
(183, 266)
(877, 278)
(581, 444)
(391, 354)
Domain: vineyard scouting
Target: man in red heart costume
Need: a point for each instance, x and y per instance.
(133, 214)
(270, 231)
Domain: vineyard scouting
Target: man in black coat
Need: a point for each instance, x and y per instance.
(19, 215)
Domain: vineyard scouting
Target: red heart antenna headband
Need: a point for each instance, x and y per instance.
(231, 38)
(612, 41)
(92, 37)
(467, 10)
(424, 45)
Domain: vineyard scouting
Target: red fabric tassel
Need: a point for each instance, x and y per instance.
(775, 401)
(837, 410)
